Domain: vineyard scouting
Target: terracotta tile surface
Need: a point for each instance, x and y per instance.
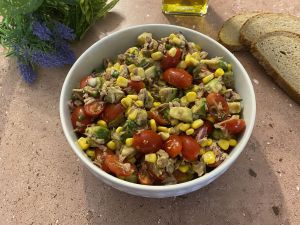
(41, 181)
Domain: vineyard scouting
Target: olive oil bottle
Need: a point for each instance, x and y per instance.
(185, 7)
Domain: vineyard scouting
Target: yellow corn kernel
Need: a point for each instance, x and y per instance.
(224, 144)
(119, 130)
(102, 123)
(172, 130)
(90, 153)
(163, 129)
(191, 96)
(206, 142)
(133, 97)
(229, 66)
(122, 81)
(172, 52)
(172, 35)
(184, 127)
(164, 135)
(139, 103)
(201, 151)
(196, 88)
(197, 123)
(84, 143)
(131, 67)
(156, 104)
(117, 66)
(209, 157)
(112, 145)
(190, 131)
(232, 142)
(196, 56)
(133, 50)
(177, 41)
(129, 142)
(126, 102)
(157, 56)
(184, 101)
(219, 72)
(190, 60)
(174, 122)
(182, 65)
(184, 168)
(132, 115)
(151, 157)
(210, 119)
(153, 125)
(208, 78)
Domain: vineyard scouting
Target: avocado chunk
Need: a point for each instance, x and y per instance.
(214, 85)
(228, 79)
(114, 95)
(142, 38)
(199, 109)
(150, 73)
(181, 113)
(167, 94)
(98, 132)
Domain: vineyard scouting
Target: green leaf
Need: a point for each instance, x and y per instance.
(16, 7)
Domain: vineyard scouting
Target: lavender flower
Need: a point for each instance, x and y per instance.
(66, 52)
(64, 31)
(41, 31)
(27, 72)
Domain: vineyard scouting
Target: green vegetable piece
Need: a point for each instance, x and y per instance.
(98, 132)
(129, 129)
(199, 109)
(181, 113)
(214, 85)
(151, 72)
(115, 74)
(167, 94)
(143, 37)
(223, 65)
(117, 121)
(131, 178)
(218, 134)
(228, 79)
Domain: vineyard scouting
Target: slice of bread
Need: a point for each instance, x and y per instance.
(279, 53)
(229, 35)
(262, 24)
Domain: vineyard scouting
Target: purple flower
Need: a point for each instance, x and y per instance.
(66, 52)
(27, 72)
(41, 31)
(61, 57)
(64, 31)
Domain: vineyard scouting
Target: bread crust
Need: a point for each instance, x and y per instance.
(294, 94)
(233, 47)
(244, 40)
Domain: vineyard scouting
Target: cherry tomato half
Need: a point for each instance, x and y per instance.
(84, 81)
(136, 85)
(158, 118)
(178, 78)
(169, 61)
(173, 146)
(144, 177)
(217, 105)
(234, 126)
(94, 109)
(112, 112)
(190, 148)
(80, 117)
(147, 141)
(99, 159)
(117, 167)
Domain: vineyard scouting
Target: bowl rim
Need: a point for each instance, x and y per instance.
(163, 188)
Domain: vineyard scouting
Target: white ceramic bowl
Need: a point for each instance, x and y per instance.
(119, 42)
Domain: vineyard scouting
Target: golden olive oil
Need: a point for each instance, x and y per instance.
(194, 7)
